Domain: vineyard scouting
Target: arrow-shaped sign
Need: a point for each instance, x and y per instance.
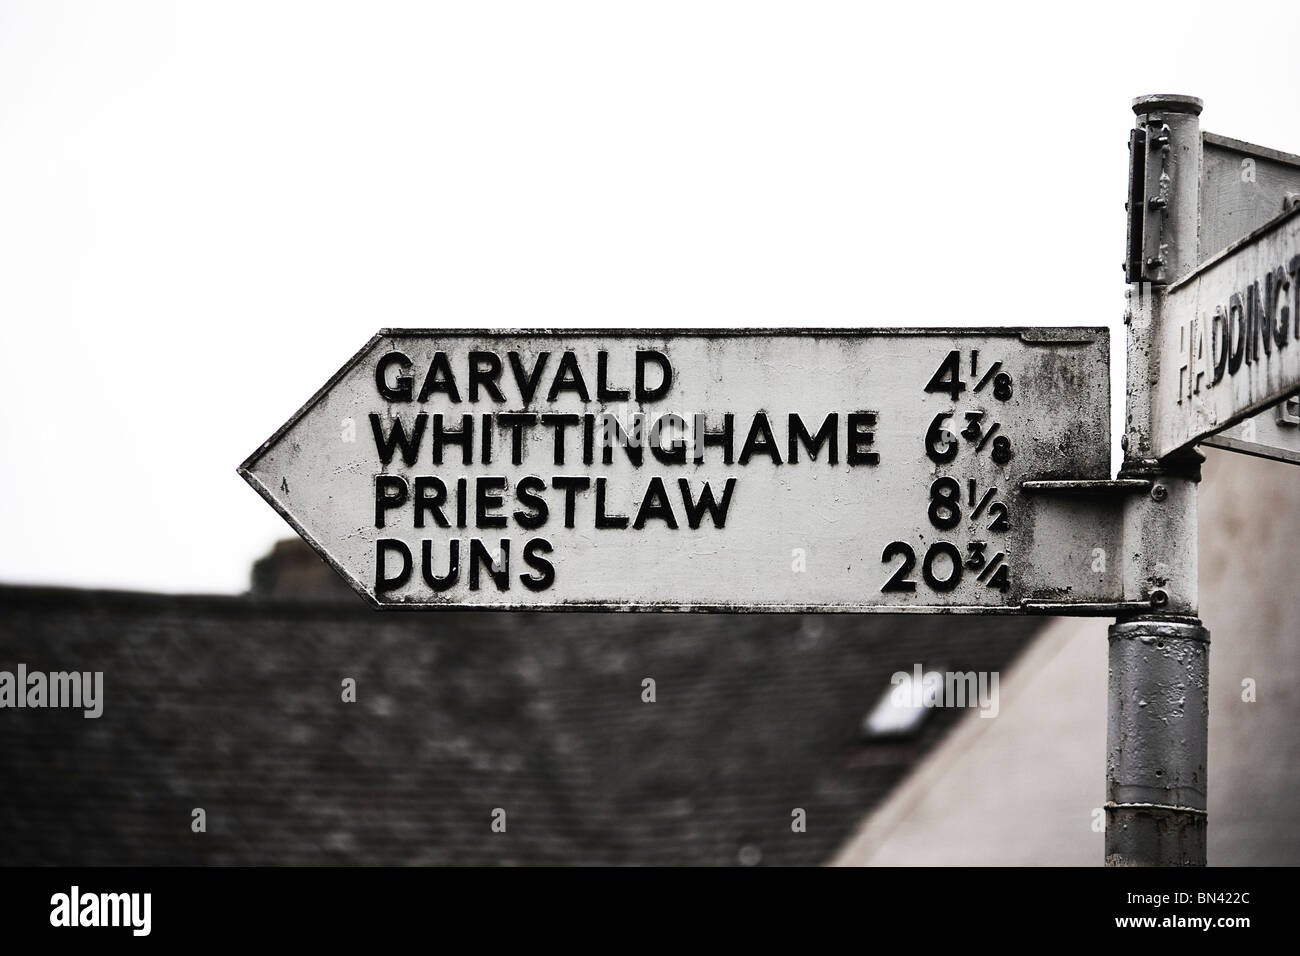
(772, 470)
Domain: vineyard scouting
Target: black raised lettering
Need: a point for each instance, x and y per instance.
(603, 392)
(604, 521)
(899, 581)
(570, 485)
(588, 438)
(695, 511)
(481, 559)
(1219, 344)
(401, 388)
(675, 452)
(440, 378)
(559, 423)
(1279, 307)
(654, 504)
(644, 359)
(827, 434)
(432, 503)
(1293, 272)
(1257, 331)
(949, 551)
(383, 548)
(1236, 332)
(446, 581)
(528, 491)
(516, 422)
(527, 383)
(760, 440)
(545, 576)
(612, 434)
(725, 437)
(486, 500)
(484, 370)
(386, 445)
(445, 436)
(947, 378)
(860, 439)
(390, 492)
(568, 378)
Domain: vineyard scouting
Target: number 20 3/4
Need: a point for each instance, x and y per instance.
(943, 566)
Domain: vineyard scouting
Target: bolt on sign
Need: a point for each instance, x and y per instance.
(1230, 337)
(757, 470)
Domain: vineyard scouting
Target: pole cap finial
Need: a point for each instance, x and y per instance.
(1167, 103)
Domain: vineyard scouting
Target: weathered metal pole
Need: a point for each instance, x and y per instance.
(1157, 726)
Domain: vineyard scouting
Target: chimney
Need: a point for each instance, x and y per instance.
(294, 570)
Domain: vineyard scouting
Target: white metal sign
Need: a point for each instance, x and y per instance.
(1244, 187)
(1230, 338)
(765, 470)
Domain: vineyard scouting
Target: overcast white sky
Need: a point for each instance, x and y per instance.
(206, 208)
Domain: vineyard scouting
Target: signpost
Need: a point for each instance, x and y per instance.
(764, 470)
(1244, 187)
(897, 470)
(1229, 341)
(1213, 262)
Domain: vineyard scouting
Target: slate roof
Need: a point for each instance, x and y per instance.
(233, 704)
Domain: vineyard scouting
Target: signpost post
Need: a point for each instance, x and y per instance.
(1157, 723)
(865, 470)
(1213, 264)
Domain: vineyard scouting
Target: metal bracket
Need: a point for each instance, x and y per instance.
(1157, 518)
(1075, 609)
(1136, 205)
(1087, 486)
